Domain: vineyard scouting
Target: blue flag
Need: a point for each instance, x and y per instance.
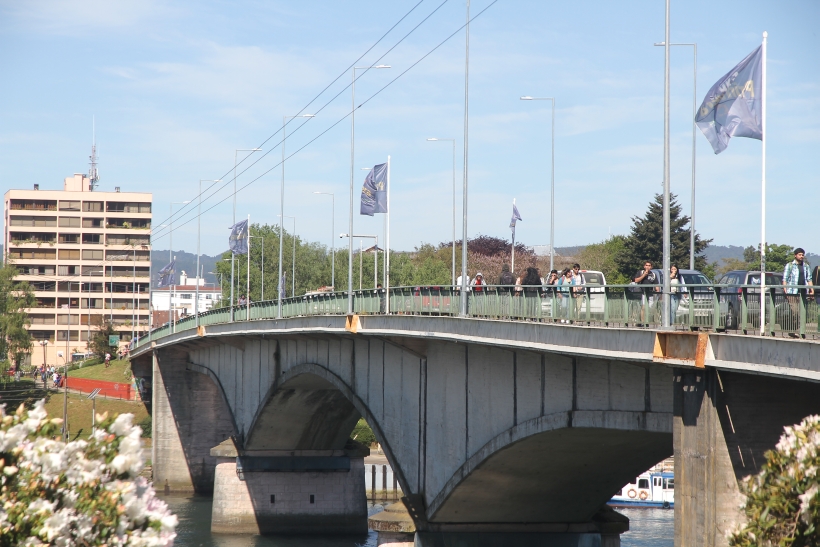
(282, 283)
(167, 275)
(515, 216)
(374, 191)
(733, 107)
(238, 240)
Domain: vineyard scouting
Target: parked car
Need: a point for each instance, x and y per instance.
(730, 297)
(596, 295)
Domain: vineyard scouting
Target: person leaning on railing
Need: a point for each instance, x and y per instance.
(795, 277)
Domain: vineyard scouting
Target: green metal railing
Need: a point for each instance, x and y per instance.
(696, 307)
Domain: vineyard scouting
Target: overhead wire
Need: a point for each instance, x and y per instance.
(316, 97)
(371, 97)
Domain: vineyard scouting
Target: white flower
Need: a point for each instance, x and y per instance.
(122, 425)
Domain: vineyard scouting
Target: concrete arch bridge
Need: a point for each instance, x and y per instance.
(495, 429)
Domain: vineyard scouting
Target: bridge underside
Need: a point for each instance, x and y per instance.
(562, 476)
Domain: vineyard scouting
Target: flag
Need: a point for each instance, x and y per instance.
(515, 216)
(238, 240)
(374, 191)
(733, 107)
(282, 283)
(167, 275)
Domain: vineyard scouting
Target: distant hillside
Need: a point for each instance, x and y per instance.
(186, 262)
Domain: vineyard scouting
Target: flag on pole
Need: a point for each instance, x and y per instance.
(167, 275)
(515, 216)
(734, 105)
(374, 191)
(238, 240)
(282, 284)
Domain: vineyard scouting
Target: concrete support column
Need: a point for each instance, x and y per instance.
(289, 492)
(706, 491)
(189, 417)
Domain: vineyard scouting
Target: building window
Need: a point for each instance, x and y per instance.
(69, 222)
(93, 206)
(92, 254)
(69, 205)
(69, 254)
(185, 296)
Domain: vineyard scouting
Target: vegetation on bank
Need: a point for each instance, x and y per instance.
(117, 371)
(363, 433)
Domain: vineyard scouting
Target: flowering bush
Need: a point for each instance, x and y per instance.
(77, 493)
(782, 502)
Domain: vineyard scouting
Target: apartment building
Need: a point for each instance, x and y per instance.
(86, 254)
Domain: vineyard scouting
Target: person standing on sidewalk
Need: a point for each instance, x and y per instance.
(646, 277)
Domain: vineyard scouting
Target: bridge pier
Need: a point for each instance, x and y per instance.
(723, 424)
(189, 417)
(289, 492)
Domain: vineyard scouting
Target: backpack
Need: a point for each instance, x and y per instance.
(506, 279)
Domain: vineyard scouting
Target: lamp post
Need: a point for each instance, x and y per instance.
(251, 150)
(552, 177)
(453, 282)
(171, 289)
(65, 361)
(282, 209)
(293, 265)
(332, 239)
(88, 325)
(44, 344)
(375, 260)
(694, 144)
(263, 264)
(198, 237)
(352, 159)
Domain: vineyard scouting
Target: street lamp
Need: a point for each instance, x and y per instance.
(43, 344)
(198, 235)
(332, 239)
(282, 212)
(293, 265)
(251, 150)
(375, 254)
(454, 203)
(694, 142)
(552, 177)
(172, 289)
(352, 156)
(88, 326)
(263, 265)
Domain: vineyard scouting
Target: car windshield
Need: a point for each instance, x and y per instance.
(593, 278)
(694, 279)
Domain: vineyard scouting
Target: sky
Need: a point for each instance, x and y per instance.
(175, 88)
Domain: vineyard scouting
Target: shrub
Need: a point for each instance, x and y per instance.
(783, 500)
(76, 493)
(362, 433)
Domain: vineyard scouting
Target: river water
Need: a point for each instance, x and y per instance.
(648, 528)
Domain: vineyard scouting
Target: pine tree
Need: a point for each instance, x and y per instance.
(645, 242)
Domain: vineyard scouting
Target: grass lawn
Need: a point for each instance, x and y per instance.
(79, 411)
(118, 371)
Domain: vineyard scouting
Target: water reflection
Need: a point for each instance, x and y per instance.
(194, 530)
(648, 528)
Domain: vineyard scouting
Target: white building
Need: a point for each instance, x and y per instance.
(182, 298)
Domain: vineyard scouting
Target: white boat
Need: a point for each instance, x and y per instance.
(650, 489)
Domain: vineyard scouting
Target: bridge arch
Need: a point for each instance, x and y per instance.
(322, 410)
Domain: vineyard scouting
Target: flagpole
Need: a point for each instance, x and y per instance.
(248, 290)
(464, 281)
(387, 244)
(665, 303)
(763, 197)
(512, 265)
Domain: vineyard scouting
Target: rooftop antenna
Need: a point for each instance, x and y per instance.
(94, 177)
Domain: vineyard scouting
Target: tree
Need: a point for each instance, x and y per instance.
(777, 256)
(645, 241)
(15, 297)
(603, 258)
(99, 340)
